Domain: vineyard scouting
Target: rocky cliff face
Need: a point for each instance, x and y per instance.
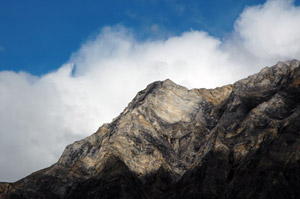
(236, 141)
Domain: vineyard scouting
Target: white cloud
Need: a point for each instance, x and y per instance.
(269, 32)
(39, 116)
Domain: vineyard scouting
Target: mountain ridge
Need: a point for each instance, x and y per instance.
(172, 142)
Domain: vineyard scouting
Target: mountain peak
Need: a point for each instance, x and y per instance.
(172, 142)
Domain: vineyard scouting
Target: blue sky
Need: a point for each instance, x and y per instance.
(39, 36)
(67, 67)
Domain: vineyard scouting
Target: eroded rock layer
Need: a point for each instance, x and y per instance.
(236, 141)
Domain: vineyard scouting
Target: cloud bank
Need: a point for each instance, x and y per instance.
(39, 116)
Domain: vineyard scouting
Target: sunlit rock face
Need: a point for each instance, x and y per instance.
(235, 141)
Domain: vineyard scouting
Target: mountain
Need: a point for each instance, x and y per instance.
(235, 141)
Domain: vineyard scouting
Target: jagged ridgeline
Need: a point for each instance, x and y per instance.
(235, 141)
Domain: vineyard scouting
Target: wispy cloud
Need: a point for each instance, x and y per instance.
(41, 115)
(2, 48)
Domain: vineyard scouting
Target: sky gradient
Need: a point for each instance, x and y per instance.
(66, 67)
(39, 36)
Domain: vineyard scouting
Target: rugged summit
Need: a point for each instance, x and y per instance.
(236, 141)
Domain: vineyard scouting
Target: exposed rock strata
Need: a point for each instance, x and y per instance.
(236, 141)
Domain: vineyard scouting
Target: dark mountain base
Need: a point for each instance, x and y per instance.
(218, 177)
